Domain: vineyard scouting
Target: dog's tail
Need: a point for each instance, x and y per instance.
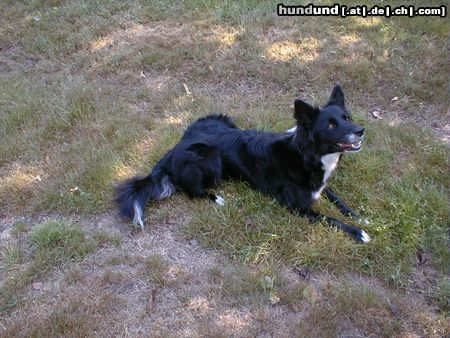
(133, 194)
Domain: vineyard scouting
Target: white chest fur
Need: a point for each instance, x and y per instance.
(329, 163)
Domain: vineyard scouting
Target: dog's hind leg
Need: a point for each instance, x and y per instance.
(191, 182)
(357, 233)
(343, 208)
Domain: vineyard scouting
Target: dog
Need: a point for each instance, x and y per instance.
(293, 167)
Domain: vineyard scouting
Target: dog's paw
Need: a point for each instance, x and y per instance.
(219, 200)
(363, 237)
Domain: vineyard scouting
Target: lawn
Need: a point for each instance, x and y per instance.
(93, 92)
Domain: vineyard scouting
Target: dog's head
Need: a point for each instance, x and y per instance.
(327, 130)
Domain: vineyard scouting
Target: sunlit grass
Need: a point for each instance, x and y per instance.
(110, 91)
(404, 200)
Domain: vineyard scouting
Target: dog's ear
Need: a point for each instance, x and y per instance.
(305, 114)
(337, 97)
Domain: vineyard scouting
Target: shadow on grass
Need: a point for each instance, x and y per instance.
(147, 80)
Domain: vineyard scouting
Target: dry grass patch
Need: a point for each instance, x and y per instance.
(105, 95)
(79, 315)
(237, 287)
(102, 237)
(53, 243)
(74, 275)
(157, 282)
(354, 307)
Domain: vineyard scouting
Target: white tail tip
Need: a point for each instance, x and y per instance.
(137, 219)
(292, 130)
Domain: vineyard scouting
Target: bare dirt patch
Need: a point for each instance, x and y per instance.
(103, 96)
(156, 282)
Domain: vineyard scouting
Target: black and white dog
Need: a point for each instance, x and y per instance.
(293, 166)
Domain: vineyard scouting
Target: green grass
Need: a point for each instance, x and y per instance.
(406, 200)
(442, 296)
(52, 243)
(104, 96)
(12, 255)
(67, 141)
(19, 228)
(59, 242)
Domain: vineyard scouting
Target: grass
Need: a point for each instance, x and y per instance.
(103, 237)
(52, 244)
(12, 255)
(408, 210)
(379, 313)
(105, 95)
(157, 271)
(73, 317)
(442, 296)
(19, 228)
(58, 242)
(237, 286)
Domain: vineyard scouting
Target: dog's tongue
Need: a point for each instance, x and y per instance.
(346, 145)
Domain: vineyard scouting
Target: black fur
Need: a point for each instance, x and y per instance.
(287, 166)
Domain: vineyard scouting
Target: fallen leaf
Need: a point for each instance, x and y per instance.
(186, 89)
(75, 191)
(274, 298)
(376, 114)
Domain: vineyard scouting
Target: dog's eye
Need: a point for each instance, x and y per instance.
(331, 125)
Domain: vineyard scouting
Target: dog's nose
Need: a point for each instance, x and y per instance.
(359, 131)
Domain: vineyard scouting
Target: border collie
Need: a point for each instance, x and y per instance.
(293, 167)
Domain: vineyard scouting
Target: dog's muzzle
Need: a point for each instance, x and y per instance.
(352, 143)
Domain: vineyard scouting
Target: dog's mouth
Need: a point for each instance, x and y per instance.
(349, 147)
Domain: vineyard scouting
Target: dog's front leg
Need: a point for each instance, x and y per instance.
(299, 201)
(343, 208)
(357, 233)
